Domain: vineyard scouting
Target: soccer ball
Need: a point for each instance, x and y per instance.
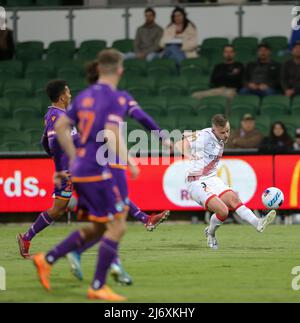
(272, 198)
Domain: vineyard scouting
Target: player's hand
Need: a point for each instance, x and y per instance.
(59, 177)
(135, 171)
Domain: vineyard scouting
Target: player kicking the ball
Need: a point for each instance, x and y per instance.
(204, 149)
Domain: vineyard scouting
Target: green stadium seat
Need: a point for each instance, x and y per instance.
(240, 111)
(19, 3)
(77, 85)
(291, 124)
(13, 68)
(278, 104)
(140, 86)
(167, 123)
(159, 104)
(18, 89)
(5, 111)
(17, 137)
(213, 45)
(185, 104)
(188, 122)
(32, 125)
(13, 146)
(64, 49)
(24, 113)
(190, 72)
(135, 67)
(33, 104)
(9, 125)
(37, 75)
(162, 67)
(29, 51)
(218, 103)
(69, 72)
(263, 124)
(245, 44)
(124, 45)
(244, 56)
(235, 121)
(247, 102)
(41, 67)
(169, 86)
(198, 83)
(277, 43)
(195, 63)
(89, 49)
(49, 3)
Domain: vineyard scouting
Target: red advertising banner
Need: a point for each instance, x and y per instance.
(287, 178)
(26, 184)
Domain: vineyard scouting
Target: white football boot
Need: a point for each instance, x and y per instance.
(264, 222)
(212, 241)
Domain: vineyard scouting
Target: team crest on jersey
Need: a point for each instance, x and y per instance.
(53, 118)
(87, 102)
(122, 100)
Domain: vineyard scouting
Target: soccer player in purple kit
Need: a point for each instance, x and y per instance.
(60, 96)
(131, 108)
(93, 111)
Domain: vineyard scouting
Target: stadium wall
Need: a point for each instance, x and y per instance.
(26, 183)
(111, 24)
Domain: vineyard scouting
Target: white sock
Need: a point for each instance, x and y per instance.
(215, 223)
(247, 215)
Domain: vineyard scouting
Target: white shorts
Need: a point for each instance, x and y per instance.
(203, 190)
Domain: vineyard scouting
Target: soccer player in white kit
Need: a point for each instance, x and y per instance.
(204, 149)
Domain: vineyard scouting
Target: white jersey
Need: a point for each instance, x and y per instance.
(206, 150)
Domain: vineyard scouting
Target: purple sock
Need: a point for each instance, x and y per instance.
(107, 253)
(137, 213)
(41, 223)
(88, 246)
(73, 242)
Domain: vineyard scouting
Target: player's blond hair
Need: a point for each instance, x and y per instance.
(219, 120)
(109, 60)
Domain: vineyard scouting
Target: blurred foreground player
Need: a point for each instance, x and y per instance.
(94, 111)
(205, 149)
(60, 96)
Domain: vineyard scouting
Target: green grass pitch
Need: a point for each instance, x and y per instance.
(171, 264)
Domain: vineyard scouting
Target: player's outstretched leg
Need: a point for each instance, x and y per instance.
(151, 222)
(44, 220)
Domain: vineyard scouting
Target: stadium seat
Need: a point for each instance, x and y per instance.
(18, 89)
(49, 3)
(17, 137)
(188, 122)
(172, 86)
(9, 125)
(241, 110)
(37, 75)
(71, 67)
(245, 43)
(135, 67)
(77, 85)
(278, 104)
(162, 67)
(277, 43)
(33, 124)
(185, 104)
(198, 83)
(89, 49)
(244, 56)
(197, 63)
(290, 122)
(34, 105)
(263, 124)
(69, 72)
(29, 51)
(61, 50)
(140, 86)
(36, 67)
(213, 45)
(19, 3)
(250, 103)
(5, 111)
(14, 146)
(157, 103)
(13, 68)
(167, 123)
(123, 45)
(217, 103)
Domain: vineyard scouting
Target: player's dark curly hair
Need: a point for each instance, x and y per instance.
(55, 89)
(91, 72)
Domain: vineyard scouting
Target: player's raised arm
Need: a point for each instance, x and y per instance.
(63, 132)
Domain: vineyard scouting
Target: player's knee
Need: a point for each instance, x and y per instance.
(223, 213)
(56, 213)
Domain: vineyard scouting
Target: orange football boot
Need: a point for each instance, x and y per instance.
(105, 294)
(43, 270)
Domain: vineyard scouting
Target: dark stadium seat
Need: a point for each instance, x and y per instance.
(162, 67)
(279, 104)
(157, 103)
(141, 85)
(89, 49)
(18, 137)
(214, 102)
(277, 43)
(208, 111)
(167, 123)
(33, 104)
(136, 67)
(172, 86)
(18, 89)
(197, 63)
(263, 124)
(247, 102)
(244, 56)
(12, 67)
(33, 125)
(124, 45)
(5, 105)
(186, 104)
(198, 83)
(213, 45)
(64, 49)
(239, 111)
(29, 51)
(9, 125)
(69, 72)
(188, 122)
(290, 122)
(245, 43)
(41, 67)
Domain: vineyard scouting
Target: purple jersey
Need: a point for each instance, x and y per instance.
(91, 110)
(50, 141)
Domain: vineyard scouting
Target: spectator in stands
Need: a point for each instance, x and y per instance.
(247, 136)
(279, 140)
(263, 77)
(7, 46)
(148, 36)
(297, 140)
(226, 79)
(180, 38)
(290, 74)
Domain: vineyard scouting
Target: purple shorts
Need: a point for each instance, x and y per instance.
(120, 181)
(65, 192)
(99, 201)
